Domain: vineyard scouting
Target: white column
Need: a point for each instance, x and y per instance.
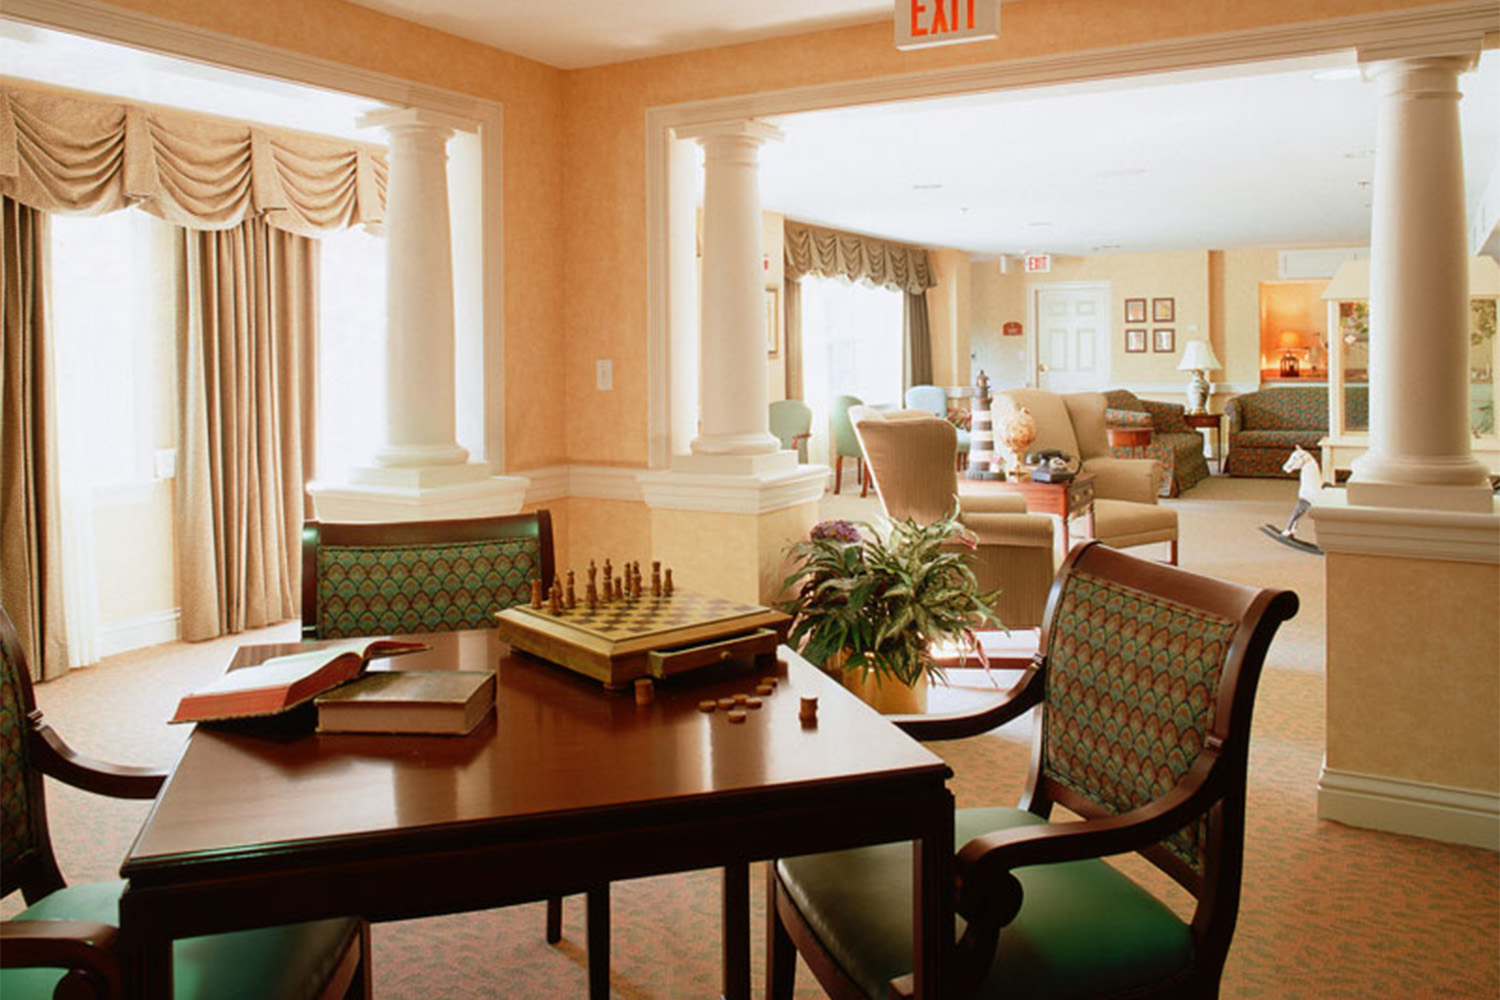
(733, 403)
(1419, 453)
(420, 471)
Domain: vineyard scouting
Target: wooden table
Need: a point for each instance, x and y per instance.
(1214, 422)
(1129, 437)
(1068, 500)
(566, 787)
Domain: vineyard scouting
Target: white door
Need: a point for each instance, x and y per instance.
(1072, 345)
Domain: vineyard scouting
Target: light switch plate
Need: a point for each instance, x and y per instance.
(604, 374)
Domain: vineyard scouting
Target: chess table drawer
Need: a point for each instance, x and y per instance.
(758, 644)
(1080, 495)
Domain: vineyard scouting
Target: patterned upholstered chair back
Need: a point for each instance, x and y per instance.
(1150, 673)
(419, 576)
(25, 851)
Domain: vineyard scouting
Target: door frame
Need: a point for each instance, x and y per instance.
(1034, 289)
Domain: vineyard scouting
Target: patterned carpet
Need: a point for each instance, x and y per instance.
(1328, 911)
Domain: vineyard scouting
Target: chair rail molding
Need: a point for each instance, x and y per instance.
(1415, 808)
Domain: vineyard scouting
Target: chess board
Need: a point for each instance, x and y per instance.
(648, 636)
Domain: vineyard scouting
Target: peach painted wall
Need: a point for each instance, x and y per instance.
(1414, 670)
(532, 94)
(604, 215)
(1244, 270)
(948, 311)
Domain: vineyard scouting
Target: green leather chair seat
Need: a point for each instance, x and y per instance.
(272, 963)
(1084, 928)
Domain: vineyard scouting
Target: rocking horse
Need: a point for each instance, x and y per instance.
(1309, 482)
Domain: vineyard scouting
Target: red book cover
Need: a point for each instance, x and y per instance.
(284, 682)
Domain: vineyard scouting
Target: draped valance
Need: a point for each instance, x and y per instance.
(833, 254)
(78, 155)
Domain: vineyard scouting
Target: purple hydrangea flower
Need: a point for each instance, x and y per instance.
(838, 531)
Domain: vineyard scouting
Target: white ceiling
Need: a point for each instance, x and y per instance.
(1277, 155)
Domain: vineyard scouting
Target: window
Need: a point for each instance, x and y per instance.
(112, 322)
(351, 351)
(852, 346)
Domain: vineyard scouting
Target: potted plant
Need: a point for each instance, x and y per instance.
(875, 601)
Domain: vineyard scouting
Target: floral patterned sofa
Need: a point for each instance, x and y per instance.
(1262, 428)
(1175, 445)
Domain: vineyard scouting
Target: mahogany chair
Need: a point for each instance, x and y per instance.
(375, 578)
(419, 576)
(1144, 686)
(65, 943)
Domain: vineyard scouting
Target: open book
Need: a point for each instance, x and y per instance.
(284, 682)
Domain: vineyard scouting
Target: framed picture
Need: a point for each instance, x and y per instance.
(1163, 310)
(1135, 312)
(773, 322)
(1163, 341)
(1135, 340)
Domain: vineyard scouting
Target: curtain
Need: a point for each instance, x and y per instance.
(66, 153)
(246, 316)
(917, 342)
(791, 301)
(30, 524)
(833, 254)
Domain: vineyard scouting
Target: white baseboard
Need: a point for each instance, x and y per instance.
(1418, 809)
(137, 633)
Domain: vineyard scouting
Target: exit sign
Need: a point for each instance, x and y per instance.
(1038, 263)
(923, 23)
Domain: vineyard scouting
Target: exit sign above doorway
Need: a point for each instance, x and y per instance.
(1038, 263)
(924, 23)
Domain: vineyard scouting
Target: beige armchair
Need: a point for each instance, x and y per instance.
(911, 458)
(1125, 509)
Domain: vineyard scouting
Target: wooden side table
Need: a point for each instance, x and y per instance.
(1066, 500)
(1214, 422)
(1129, 437)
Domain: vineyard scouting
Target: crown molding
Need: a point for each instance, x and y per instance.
(148, 31)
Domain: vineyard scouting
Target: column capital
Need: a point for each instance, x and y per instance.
(393, 119)
(1458, 54)
(735, 128)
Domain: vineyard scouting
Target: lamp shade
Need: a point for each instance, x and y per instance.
(1198, 355)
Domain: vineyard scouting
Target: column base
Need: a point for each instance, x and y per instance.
(1459, 482)
(734, 484)
(739, 445)
(490, 496)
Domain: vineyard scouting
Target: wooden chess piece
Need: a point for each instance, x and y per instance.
(656, 578)
(619, 594)
(593, 573)
(609, 572)
(592, 596)
(557, 601)
(572, 595)
(666, 583)
(536, 595)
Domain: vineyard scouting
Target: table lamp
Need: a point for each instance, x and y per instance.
(1291, 343)
(1198, 357)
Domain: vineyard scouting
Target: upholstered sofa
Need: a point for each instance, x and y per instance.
(1261, 428)
(1175, 445)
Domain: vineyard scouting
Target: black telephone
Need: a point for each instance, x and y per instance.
(1052, 466)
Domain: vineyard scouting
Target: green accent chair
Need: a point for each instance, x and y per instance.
(791, 422)
(66, 942)
(845, 442)
(1144, 684)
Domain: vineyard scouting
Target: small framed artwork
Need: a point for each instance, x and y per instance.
(1163, 341)
(773, 322)
(1135, 312)
(1163, 310)
(1135, 340)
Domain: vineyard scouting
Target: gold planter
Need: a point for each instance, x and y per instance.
(886, 695)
